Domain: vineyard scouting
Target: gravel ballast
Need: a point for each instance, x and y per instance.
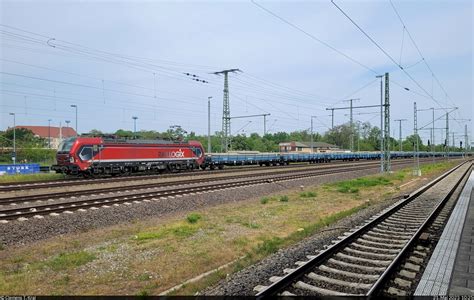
(31, 230)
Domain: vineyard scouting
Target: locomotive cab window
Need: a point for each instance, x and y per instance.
(66, 145)
(196, 151)
(86, 153)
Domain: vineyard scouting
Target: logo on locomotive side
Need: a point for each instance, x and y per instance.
(174, 154)
(178, 153)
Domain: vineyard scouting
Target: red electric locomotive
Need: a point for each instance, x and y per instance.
(91, 156)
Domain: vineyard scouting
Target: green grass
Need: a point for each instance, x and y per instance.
(29, 177)
(251, 225)
(193, 218)
(308, 194)
(264, 200)
(284, 198)
(269, 246)
(181, 231)
(69, 260)
(354, 185)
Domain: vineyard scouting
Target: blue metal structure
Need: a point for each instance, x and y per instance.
(19, 169)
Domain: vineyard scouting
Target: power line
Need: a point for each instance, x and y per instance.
(417, 48)
(315, 38)
(95, 78)
(385, 52)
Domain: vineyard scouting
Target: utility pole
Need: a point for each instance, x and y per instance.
(433, 145)
(400, 132)
(75, 106)
(209, 124)
(14, 138)
(381, 124)
(358, 136)
(67, 125)
(226, 109)
(351, 122)
(312, 148)
(465, 141)
(49, 133)
(134, 126)
(416, 167)
(265, 124)
(446, 141)
(332, 117)
(387, 166)
(454, 144)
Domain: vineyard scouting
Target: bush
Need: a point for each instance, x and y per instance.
(193, 218)
(264, 200)
(284, 198)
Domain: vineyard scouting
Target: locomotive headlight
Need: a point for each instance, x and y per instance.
(71, 159)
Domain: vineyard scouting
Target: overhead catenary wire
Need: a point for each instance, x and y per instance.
(385, 52)
(416, 46)
(313, 37)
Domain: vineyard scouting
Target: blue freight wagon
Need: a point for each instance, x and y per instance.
(219, 160)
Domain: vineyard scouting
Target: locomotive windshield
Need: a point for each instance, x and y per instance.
(66, 145)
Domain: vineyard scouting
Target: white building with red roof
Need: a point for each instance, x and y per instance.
(55, 134)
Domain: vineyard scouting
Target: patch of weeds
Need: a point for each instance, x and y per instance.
(353, 186)
(238, 266)
(241, 241)
(67, 260)
(193, 218)
(180, 231)
(251, 225)
(400, 176)
(264, 200)
(284, 198)
(269, 246)
(326, 221)
(144, 277)
(18, 259)
(2, 247)
(347, 189)
(308, 194)
(63, 281)
(143, 294)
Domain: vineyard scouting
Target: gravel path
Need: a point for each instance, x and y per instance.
(20, 233)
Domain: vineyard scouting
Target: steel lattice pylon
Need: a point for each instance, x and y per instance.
(226, 115)
(226, 134)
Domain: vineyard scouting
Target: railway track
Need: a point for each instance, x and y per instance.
(363, 260)
(81, 203)
(148, 186)
(8, 187)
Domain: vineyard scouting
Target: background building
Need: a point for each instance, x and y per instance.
(56, 134)
(306, 147)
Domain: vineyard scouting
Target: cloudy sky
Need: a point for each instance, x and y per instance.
(118, 59)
